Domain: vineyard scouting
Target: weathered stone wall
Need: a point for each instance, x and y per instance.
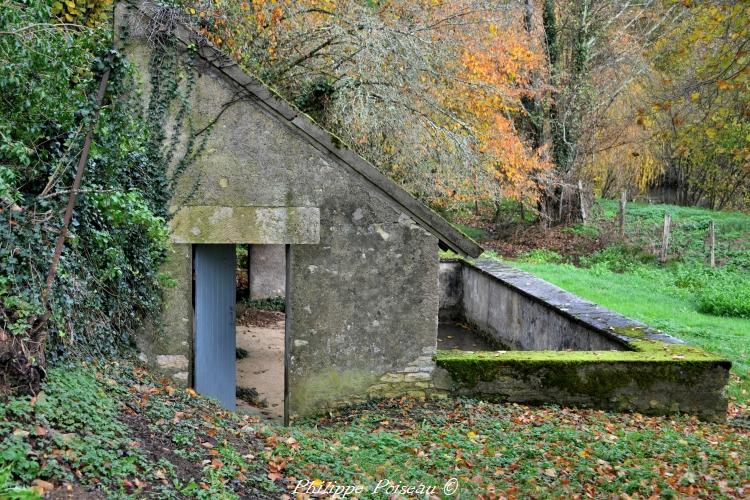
(655, 385)
(166, 342)
(362, 304)
(515, 316)
(267, 271)
(362, 298)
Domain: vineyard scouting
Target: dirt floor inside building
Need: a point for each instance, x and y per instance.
(260, 363)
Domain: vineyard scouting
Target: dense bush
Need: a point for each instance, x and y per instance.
(542, 256)
(721, 291)
(108, 274)
(726, 298)
(618, 259)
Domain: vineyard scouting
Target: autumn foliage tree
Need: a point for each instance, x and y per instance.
(500, 70)
(477, 100)
(700, 113)
(594, 54)
(680, 123)
(428, 91)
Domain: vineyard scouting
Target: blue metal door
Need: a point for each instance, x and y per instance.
(214, 346)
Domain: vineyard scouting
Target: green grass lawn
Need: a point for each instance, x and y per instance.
(648, 296)
(673, 297)
(728, 220)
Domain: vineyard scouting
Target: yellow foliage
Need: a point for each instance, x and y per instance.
(622, 155)
(499, 69)
(83, 12)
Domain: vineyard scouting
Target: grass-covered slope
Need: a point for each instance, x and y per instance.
(113, 430)
(689, 229)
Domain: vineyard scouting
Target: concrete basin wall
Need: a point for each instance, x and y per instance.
(518, 317)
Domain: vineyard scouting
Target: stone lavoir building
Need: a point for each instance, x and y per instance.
(361, 253)
(363, 284)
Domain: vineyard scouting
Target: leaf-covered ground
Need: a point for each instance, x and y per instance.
(115, 431)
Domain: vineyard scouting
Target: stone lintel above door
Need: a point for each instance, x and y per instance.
(240, 224)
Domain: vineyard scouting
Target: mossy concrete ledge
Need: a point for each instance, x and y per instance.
(655, 378)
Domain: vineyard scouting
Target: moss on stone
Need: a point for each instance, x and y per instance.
(644, 351)
(595, 373)
(631, 331)
(450, 256)
(656, 374)
(240, 224)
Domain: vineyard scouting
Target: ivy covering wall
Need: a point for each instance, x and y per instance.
(52, 57)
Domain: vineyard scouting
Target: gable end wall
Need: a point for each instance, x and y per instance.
(362, 301)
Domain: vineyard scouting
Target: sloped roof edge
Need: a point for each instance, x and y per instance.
(449, 236)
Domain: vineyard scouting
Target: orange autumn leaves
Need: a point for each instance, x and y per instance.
(499, 69)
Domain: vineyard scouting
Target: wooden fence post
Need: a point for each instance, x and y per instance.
(582, 201)
(560, 205)
(621, 213)
(711, 243)
(665, 237)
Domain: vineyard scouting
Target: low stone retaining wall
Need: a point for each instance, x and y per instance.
(571, 351)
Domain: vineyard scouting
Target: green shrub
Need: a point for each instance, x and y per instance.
(618, 259)
(268, 304)
(108, 277)
(542, 256)
(694, 277)
(586, 230)
(474, 233)
(726, 298)
(10, 491)
(722, 291)
(738, 259)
